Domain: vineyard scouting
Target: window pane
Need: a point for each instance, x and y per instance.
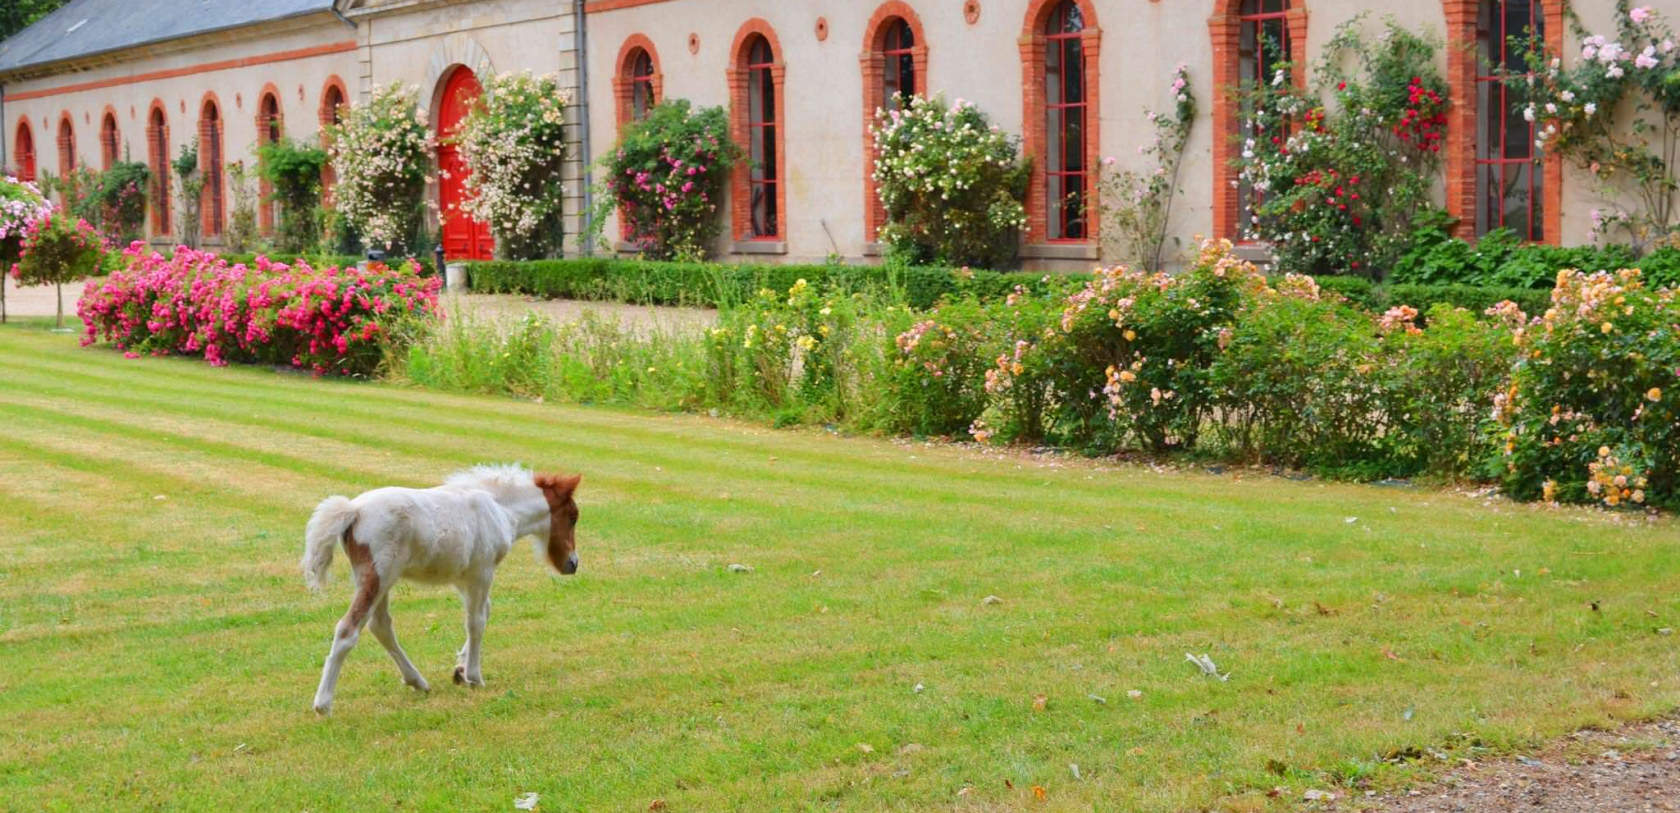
(906, 75)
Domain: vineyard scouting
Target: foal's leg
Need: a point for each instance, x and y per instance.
(475, 599)
(370, 591)
(380, 623)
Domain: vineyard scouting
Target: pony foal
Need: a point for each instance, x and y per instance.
(456, 533)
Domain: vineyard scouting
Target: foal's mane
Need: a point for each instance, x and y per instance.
(491, 476)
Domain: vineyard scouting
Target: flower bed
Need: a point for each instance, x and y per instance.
(329, 320)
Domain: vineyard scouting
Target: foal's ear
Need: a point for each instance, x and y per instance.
(566, 485)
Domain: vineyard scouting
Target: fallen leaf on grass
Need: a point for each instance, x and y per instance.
(1389, 654)
(866, 748)
(1097, 698)
(1316, 795)
(1040, 702)
(525, 801)
(1039, 792)
(740, 568)
(991, 600)
(656, 804)
(911, 748)
(1134, 694)
(1074, 767)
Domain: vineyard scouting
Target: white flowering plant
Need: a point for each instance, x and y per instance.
(1338, 174)
(1137, 205)
(1615, 112)
(513, 143)
(952, 184)
(382, 155)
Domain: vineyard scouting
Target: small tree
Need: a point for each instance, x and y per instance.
(293, 171)
(21, 203)
(382, 155)
(513, 141)
(57, 249)
(665, 179)
(951, 183)
(190, 188)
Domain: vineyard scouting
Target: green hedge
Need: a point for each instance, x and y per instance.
(1378, 298)
(710, 284)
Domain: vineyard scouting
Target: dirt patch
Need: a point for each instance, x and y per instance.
(644, 319)
(1632, 768)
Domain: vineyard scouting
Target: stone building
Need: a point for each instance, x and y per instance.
(97, 80)
(801, 79)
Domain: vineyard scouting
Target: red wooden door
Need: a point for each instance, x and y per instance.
(463, 237)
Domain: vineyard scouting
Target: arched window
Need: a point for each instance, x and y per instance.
(110, 142)
(24, 151)
(1250, 39)
(331, 113)
(1265, 44)
(1059, 57)
(66, 147)
(756, 87)
(894, 62)
(1065, 169)
(641, 86)
(210, 160)
(268, 132)
(157, 157)
(638, 85)
(1509, 181)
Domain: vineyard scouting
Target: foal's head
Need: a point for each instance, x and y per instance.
(562, 519)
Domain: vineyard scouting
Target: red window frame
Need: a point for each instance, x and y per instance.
(66, 147)
(24, 151)
(1253, 20)
(213, 218)
(157, 147)
(1068, 216)
(1494, 111)
(110, 141)
(642, 94)
(763, 125)
(268, 132)
(898, 63)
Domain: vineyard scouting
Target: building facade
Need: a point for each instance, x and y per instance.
(802, 80)
(104, 80)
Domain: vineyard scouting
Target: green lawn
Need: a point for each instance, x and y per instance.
(158, 649)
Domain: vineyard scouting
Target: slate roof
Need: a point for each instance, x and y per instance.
(86, 27)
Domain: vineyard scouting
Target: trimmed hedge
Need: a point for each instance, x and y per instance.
(711, 284)
(1476, 298)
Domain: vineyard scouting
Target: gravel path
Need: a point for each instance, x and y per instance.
(1633, 768)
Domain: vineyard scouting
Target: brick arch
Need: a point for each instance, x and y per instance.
(1034, 124)
(270, 127)
(1225, 33)
(740, 202)
(110, 137)
(212, 160)
(1463, 64)
(874, 93)
(66, 144)
(23, 150)
(157, 158)
(623, 87)
(327, 113)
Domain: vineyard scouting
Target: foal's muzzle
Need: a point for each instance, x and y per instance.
(570, 566)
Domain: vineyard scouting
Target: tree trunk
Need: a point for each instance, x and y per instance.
(59, 287)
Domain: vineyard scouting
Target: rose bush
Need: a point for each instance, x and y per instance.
(513, 143)
(665, 179)
(58, 248)
(330, 320)
(382, 156)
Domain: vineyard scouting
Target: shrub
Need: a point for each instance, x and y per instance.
(951, 183)
(241, 232)
(1437, 387)
(21, 203)
(514, 145)
(58, 249)
(293, 171)
(797, 355)
(329, 320)
(1137, 206)
(113, 201)
(382, 155)
(189, 189)
(1592, 412)
(937, 383)
(1339, 185)
(665, 178)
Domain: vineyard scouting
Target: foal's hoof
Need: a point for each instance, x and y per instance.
(323, 709)
(420, 685)
(460, 676)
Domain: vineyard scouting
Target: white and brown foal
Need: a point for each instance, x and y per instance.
(456, 533)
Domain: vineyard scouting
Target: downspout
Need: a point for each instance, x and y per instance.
(340, 15)
(582, 41)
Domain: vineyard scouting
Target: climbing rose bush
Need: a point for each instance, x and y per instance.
(21, 203)
(382, 155)
(331, 320)
(951, 182)
(513, 142)
(665, 179)
(1592, 410)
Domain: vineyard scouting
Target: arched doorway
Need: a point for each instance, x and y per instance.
(463, 237)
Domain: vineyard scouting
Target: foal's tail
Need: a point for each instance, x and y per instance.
(326, 530)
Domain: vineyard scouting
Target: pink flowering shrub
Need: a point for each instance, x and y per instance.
(331, 320)
(1592, 411)
(665, 180)
(938, 370)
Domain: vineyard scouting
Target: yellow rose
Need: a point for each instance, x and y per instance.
(1131, 335)
(1653, 394)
